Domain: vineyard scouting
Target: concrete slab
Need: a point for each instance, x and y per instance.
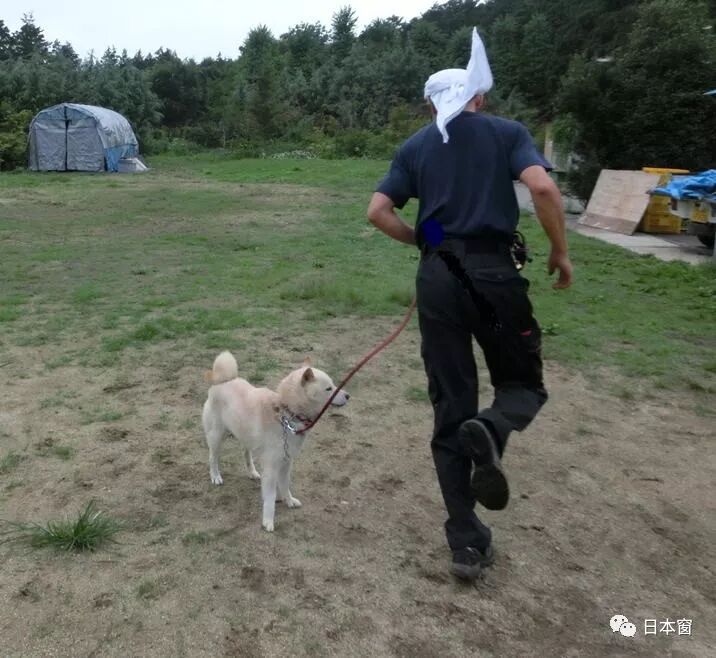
(686, 248)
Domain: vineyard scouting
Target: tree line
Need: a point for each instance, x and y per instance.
(621, 81)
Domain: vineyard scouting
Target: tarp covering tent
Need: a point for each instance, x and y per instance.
(71, 137)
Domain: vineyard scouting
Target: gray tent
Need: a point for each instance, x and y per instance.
(70, 137)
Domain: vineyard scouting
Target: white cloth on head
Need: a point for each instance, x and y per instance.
(451, 89)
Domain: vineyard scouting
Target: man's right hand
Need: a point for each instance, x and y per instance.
(381, 213)
(560, 261)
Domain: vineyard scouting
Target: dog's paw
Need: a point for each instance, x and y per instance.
(268, 526)
(217, 479)
(254, 475)
(293, 502)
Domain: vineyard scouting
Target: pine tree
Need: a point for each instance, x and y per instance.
(343, 32)
(29, 39)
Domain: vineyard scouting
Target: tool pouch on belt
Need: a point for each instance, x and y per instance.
(520, 252)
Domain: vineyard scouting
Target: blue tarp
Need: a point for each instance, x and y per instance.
(697, 186)
(114, 154)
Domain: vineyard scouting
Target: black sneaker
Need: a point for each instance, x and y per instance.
(489, 484)
(467, 563)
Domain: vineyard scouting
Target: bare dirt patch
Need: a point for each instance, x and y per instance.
(612, 512)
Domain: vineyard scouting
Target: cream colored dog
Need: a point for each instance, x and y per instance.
(266, 422)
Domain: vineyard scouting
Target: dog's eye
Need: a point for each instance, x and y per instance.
(329, 389)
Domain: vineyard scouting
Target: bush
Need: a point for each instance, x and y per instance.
(181, 146)
(366, 144)
(153, 142)
(211, 135)
(352, 143)
(13, 138)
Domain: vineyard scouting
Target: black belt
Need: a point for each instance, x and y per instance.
(477, 245)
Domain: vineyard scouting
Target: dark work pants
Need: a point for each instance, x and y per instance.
(499, 316)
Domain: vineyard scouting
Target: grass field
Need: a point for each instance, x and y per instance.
(128, 262)
(116, 294)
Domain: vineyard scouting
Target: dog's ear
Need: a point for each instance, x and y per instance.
(307, 361)
(308, 376)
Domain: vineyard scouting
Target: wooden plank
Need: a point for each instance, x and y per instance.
(619, 200)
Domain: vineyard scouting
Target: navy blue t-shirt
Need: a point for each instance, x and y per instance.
(466, 184)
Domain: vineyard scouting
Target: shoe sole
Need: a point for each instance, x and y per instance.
(489, 486)
(488, 483)
(465, 572)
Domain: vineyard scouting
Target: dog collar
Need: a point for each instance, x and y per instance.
(289, 420)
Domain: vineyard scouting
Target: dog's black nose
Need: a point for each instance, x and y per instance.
(348, 397)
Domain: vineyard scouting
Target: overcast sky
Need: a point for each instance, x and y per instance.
(200, 28)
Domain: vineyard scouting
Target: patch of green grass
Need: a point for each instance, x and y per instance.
(315, 553)
(195, 322)
(163, 456)
(14, 300)
(704, 412)
(158, 521)
(262, 368)
(10, 461)
(417, 394)
(63, 452)
(48, 448)
(59, 399)
(583, 431)
(9, 314)
(188, 424)
(86, 293)
(138, 522)
(33, 339)
(218, 340)
(100, 416)
(149, 590)
(88, 532)
(59, 361)
(162, 423)
(193, 538)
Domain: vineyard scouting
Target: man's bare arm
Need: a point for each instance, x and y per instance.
(548, 206)
(381, 213)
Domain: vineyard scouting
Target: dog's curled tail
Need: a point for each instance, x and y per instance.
(224, 370)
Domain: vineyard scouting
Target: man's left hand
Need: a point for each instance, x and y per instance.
(561, 262)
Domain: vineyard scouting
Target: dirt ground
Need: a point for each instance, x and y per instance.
(612, 512)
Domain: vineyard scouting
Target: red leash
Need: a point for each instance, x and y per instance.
(361, 363)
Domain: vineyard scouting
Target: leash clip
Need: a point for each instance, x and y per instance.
(287, 427)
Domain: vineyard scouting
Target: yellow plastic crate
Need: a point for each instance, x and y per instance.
(658, 217)
(700, 212)
(658, 223)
